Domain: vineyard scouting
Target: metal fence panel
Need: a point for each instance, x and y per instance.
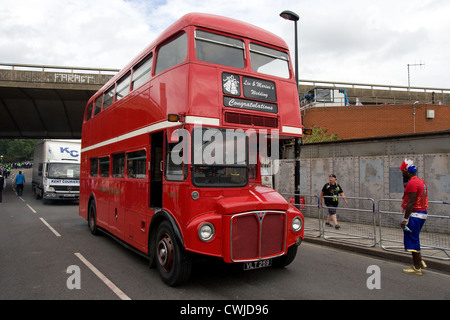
(434, 237)
(357, 222)
(309, 206)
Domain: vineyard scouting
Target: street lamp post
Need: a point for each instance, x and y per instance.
(292, 16)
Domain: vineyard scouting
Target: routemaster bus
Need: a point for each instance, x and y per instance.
(172, 148)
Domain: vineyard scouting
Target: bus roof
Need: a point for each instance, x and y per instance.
(220, 23)
(209, 21)
(228, 25)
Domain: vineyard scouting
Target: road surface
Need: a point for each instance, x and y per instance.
(47, 252)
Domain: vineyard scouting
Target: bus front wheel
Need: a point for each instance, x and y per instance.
(285, 260)
(172, 261)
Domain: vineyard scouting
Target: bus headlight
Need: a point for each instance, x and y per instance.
(206, 231)
(297, 224)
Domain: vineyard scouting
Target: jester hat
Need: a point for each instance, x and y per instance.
(408, 165)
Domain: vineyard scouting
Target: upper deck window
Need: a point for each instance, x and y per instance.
(108, 97)
(89, 111)
(219, 49)
(123, 87)
(171, 53)
(141, 72)
(98, 105)
(269, 61)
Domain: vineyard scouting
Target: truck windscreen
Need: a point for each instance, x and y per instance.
(64, 170)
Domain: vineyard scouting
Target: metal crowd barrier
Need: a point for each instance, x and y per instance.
(358, 223)
(356, 220)
(434, 237)
(310, 207)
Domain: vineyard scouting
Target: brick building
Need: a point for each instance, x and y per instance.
(366, 121)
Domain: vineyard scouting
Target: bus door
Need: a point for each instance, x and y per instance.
(156, 169)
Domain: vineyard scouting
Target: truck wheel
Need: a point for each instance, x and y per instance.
(37, 195)
(172, 261)
(92, 218)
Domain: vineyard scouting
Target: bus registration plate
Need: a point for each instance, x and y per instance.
(257, 264)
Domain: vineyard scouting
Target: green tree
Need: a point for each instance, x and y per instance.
(15, 150)
(319, 135)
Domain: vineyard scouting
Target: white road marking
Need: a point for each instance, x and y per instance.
(102, 277)
(31, 208)
(50, 227)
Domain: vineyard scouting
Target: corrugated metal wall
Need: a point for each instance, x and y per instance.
(369, 168)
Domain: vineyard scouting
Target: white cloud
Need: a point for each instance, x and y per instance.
(100, 33)
(347, 40)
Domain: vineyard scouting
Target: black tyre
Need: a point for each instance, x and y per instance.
(172, 261)
(37, 194)
(285, 260)
(92, 218)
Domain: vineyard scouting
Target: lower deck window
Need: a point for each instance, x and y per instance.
(136, 164)
(103, 165)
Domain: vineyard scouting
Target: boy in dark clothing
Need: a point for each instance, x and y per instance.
(331, 191)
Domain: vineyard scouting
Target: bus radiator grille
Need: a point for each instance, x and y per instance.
(257, 235)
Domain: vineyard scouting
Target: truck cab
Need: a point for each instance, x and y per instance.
(56, 174)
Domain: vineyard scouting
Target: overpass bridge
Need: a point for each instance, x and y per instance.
(49, 101)
(46, 101)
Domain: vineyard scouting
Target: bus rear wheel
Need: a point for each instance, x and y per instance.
(92, 220)
(173, 263)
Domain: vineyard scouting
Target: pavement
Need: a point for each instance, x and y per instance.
(432, 263)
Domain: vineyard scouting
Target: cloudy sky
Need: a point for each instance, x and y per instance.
(358, 41)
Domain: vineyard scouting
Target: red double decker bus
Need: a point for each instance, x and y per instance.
(172, 148)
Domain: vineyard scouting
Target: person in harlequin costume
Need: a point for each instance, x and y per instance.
(414, 207)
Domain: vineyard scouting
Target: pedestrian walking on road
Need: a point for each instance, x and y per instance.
(414, 208)
(331, 191)
(20, 181)
(2, 184)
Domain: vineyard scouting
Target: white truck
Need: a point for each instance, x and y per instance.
(56, 170)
